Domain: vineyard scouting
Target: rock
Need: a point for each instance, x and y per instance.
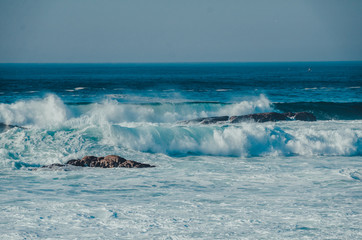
(304, 116)
(209, 120)
(257, 117)
(4, 127)
(54, 165)
(260, 117)
(110, 161)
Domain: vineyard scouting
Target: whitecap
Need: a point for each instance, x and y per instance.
(79, 88)
(48, 111)
(223, 90)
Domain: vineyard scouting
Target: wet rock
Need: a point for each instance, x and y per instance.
(209, 120)
(4, 127)
(305, 116)
(54, 165)
(260, 117)
(110, 161)
(257, 117)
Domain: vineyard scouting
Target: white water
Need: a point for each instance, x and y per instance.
(285, 180)
(57, 132)
(199, 197)
(51, 111)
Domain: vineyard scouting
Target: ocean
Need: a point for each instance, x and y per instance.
(248, 180)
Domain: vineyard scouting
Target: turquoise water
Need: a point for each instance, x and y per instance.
(283, 180)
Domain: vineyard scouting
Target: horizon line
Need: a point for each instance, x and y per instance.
(190, 62)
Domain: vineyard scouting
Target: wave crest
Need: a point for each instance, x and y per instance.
(247, 139)
(49, 111)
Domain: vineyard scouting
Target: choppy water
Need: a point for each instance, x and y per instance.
(219, 181)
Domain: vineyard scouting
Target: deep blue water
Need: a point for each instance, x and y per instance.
(225, 82)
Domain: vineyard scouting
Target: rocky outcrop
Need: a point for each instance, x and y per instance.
(274, 117)
(110, 161)
(5, 127)
(257, 117)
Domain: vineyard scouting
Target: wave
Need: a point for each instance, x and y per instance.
(51, 111)
(248, 139)
(58, 131)
(37, 147)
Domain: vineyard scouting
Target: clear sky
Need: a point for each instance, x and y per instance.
(180, 31)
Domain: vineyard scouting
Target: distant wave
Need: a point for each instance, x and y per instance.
(51, 111)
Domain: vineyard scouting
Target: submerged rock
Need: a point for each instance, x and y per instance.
(274, 117)
(304, 116)
(110, 161)
(260, 117)
(257, 117)
(5, 127)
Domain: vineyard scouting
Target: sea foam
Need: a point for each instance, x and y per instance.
(247, 139)
(48, 111)
(51, 111)
(59, 131)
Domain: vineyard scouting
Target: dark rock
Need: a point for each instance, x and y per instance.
(209, 120)
(54, 165)
(110, 161)
(304, 116)
(5, 127)
(257, 117)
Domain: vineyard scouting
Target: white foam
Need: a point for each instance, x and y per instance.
(49, 111)
(154, 128)
(223, 90)
(256, 105)
(79, 88)
(115, 112)
(247, 139)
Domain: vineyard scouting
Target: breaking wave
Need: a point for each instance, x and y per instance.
(51, 111)
(59, 131)
(247, 139)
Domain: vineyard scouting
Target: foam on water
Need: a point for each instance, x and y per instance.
(52, 111)
(49, 111)
(247, 139)
(58, 132)
(187, 198)
(36, 147)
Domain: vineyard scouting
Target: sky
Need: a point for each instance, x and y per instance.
(107, 31)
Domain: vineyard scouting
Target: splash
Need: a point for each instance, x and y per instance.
(49, 111)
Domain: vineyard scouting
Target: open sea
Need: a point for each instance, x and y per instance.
(273, 180)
